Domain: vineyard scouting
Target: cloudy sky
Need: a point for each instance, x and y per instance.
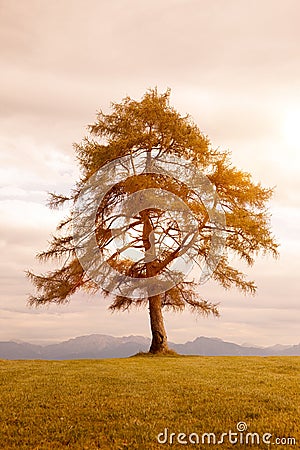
(234, 65)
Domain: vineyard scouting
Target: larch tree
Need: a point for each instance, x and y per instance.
(153, 200)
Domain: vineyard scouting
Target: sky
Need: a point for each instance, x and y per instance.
(233, 65)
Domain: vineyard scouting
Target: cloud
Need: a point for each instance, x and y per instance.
(232, 65)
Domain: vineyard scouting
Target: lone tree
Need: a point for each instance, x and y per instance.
(144, 220)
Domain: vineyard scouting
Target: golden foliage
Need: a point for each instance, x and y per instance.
(153, 125)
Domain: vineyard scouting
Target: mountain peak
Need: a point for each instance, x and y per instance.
(96, 346)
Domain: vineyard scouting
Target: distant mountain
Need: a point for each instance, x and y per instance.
(97, 346)
(19, 350)
(294, 350)
(84, 347)
(216, 347)
(279, 347)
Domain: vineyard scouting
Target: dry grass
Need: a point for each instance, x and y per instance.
(125, 403)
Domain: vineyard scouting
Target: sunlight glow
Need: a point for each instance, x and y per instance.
(291, 128)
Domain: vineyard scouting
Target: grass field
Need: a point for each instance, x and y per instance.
(126, 403)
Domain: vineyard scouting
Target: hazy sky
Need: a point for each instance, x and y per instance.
(234, 65)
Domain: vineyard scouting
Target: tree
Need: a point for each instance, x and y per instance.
(136, 227)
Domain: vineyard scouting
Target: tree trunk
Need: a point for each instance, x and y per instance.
(159, 342)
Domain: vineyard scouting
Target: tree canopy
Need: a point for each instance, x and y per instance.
(136, 198)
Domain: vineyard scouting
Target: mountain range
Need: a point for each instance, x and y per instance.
(102, 346)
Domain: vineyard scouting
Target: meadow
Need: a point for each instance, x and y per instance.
(127, 403)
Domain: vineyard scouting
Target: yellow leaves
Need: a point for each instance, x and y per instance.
(235, 187)
(59, 285)
(249, 233)
(152, 126)
(228, 276)
(147, 124)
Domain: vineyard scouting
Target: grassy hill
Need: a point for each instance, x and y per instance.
(126, 403)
